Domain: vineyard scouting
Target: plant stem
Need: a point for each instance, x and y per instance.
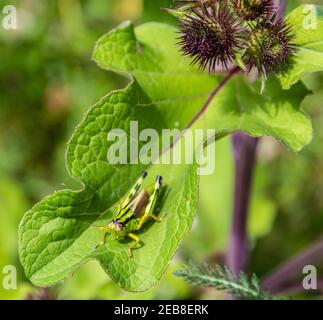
(244, 150)
(295, 287)
(281, 8)
(207, 103)
(276, 281)
(212, 95)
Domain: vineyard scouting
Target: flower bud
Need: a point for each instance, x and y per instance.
(211, 35)
(270, 48)
(250, 10)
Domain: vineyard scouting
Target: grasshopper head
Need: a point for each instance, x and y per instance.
(115, 226)
(117, 229)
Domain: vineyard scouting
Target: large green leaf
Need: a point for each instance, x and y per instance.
(57, 235)
(307, 23)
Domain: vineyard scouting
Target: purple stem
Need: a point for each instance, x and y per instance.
(244, 151)
(212, 95)
(276, 281)
(206, 104)
(295, 287)
(281, 8)
(244, 148)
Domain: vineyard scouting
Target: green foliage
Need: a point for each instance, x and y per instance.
(57, 235)
(149, 53)
(225, 280)
(307, 23)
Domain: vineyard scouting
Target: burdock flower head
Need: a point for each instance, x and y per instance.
(270, 48)
(243, 32)
(253, 9)
(210, 34)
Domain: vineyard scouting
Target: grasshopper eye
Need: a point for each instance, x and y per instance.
(118, 226)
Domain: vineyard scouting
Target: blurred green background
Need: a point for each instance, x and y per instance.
(47, 82)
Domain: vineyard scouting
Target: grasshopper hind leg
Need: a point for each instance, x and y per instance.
(149, 211)
(134, 190)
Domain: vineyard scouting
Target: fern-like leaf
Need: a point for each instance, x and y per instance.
(222, 278)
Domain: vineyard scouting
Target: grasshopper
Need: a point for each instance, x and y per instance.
(136, 209)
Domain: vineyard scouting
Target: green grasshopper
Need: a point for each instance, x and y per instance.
(135, 210)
